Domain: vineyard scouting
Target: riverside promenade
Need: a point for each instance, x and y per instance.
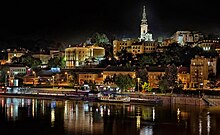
(72, 94)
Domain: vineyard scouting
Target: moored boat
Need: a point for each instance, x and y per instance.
(115, 98)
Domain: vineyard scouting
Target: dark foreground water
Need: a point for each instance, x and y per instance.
(62, 117)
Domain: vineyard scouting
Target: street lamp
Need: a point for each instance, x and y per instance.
(138, 85)
(53, 81)
(34, 77)
(6, 77)
(66, 76)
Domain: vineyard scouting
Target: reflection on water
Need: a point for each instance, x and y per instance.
(37, 116)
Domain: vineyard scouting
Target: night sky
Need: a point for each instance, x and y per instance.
(74, 21)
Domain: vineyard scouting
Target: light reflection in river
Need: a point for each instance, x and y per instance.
(74, 117)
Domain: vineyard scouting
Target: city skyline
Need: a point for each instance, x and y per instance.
(76, 21)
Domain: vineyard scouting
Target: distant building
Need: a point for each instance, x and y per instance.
(167, 42)
(144, 44)
(207, 45)
(217, 49)
(186, 37)
(43, 57)
(134, 46)
(57, 53)
(14, 53)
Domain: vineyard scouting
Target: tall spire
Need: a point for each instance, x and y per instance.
(145, 35)
(144, 18)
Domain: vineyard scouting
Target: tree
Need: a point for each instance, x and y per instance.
(92, 86)
(30, 61)
(124, 82)
(15, 60)
(171, 76)
(124, 57)
(3, 74)
(102, 41)
(163, 85)
(146, 87)
(142, 74)
(166, 59)
(73, 79)
(147, 60)
(56, 62)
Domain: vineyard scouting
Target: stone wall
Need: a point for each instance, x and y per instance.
(184, 100)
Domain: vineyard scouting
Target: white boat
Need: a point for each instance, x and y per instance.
(115, 98)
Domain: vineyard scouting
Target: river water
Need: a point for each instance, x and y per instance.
(26, 116)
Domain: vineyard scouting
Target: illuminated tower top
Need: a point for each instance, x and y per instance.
(144, 18)
(145, 35)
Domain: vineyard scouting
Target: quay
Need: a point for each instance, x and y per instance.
(71, 94)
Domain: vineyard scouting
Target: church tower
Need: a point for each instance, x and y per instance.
(145, 35)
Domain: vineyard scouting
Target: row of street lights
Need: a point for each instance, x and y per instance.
(34, 73)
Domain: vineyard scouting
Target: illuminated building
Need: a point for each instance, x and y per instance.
(154, 75)
(134, 47)
(77, 56)
(208, 45)
(145, 43)
(185, 37)
(145, 35)
(111, 71)
(15, 53)
(184, 76)
(43, 57)
(198, 71)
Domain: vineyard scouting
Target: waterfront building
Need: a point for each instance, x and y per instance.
(91, 76)
(15, 70)
(183, 77)
(198, 71)
(155, 74)
(82, 75)
(111, 72)
(212, 65)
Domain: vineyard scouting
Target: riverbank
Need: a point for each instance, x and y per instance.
(49, 93)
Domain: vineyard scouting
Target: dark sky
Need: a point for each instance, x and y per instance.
(75, 20)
